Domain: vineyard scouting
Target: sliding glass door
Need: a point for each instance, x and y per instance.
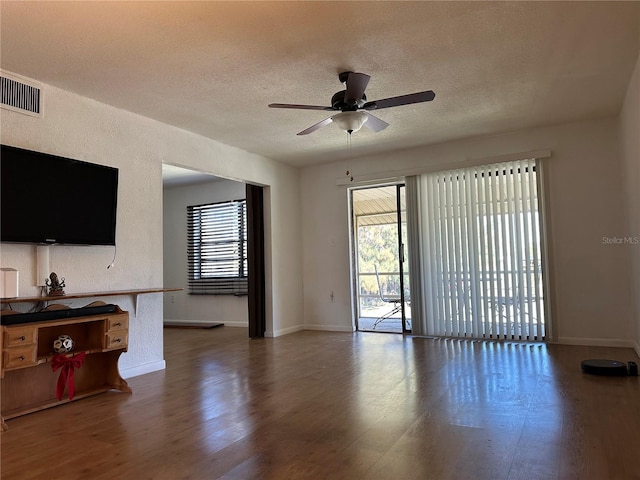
(382, 302)
(480, 252)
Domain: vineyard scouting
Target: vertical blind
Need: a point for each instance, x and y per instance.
(217, 248)
(482, 252)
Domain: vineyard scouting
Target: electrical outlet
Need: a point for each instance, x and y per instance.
(173, 299)
(332, 297)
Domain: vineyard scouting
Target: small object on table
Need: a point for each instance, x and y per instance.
(63, 344)
(56, 287)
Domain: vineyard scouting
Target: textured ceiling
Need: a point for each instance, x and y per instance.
(213, 67)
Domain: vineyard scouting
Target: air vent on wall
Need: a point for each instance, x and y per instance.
(20, 94)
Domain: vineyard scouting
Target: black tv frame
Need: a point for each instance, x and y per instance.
(52, 200)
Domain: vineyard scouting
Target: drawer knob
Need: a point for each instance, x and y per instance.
(22, 338)
(117, 324)
(21, 358)
(117, 340)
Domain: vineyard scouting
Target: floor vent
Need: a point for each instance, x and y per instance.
(20, 94)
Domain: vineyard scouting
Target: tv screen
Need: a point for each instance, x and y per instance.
(54, 200)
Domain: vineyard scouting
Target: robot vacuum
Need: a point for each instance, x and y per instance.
(611, 368)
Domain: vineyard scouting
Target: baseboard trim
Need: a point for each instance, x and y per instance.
(143, 369)
(597, 342)
(284, 331)
(330, 328)
(636, 347)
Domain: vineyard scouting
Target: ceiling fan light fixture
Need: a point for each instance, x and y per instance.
(350, 121)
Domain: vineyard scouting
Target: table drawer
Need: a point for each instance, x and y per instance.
(117, 323)
(116, 339)
(19, 357)
(15, 337)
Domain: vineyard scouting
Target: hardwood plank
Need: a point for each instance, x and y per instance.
(320, 405)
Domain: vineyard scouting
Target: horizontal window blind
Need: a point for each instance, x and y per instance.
(217, 248)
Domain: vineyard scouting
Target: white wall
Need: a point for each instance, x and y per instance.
(78, 127)
(630, 141)
(592, 280)
(180, 306)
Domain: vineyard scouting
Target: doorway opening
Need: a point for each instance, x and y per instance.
(182, 188)
(380, 272)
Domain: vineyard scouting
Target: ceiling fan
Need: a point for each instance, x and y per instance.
(353, 105)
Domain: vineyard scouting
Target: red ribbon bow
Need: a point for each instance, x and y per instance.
(68, 365)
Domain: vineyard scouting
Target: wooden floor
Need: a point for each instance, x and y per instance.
(316, 405)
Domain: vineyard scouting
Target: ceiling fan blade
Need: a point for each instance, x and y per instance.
(356, 84)
(299, 107)
(401, 100)
(315, 127)
(375, 124)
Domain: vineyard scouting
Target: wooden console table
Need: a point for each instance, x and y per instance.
(28, 381)
(27, 378)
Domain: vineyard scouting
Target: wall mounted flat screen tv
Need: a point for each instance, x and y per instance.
(46, 199)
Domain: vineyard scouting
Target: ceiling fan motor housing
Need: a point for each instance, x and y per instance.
(338, 103)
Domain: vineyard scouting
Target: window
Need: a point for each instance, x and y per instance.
(217, 251)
